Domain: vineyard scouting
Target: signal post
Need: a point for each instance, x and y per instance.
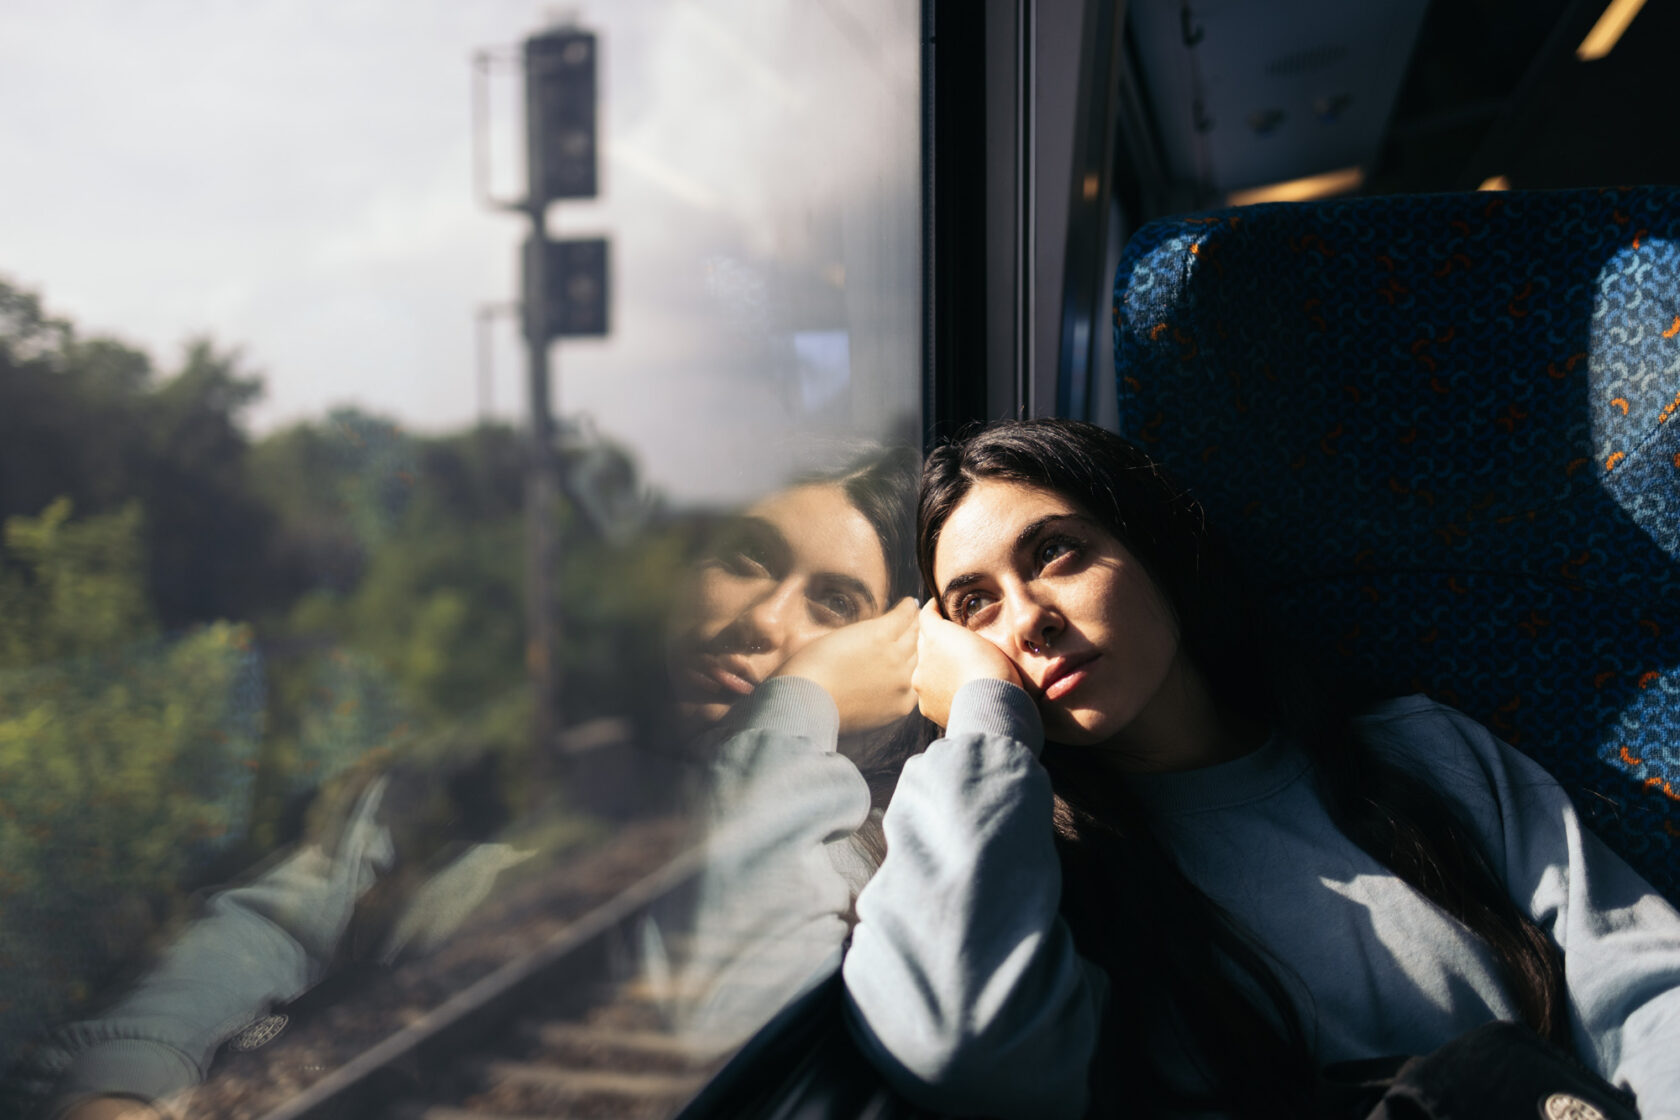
(564, 295)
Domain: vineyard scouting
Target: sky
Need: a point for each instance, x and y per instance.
(296, 179)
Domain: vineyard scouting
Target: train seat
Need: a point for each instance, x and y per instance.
(1444, 430)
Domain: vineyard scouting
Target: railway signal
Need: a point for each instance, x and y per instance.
(574, 297)
(565, 295)
(560, 114)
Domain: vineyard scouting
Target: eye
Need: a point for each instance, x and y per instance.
(745, 554)
(744, 562)
(970, 608)
(835, 608)
(1055, 548)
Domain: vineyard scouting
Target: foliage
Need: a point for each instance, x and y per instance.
(424, 543)
(377, 580)
(89, 419)
(71, 588)
(124, 757)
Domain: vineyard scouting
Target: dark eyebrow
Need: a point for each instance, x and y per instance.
(765, 533)
(740, 530)
(1026, 536)
(1033, 528)
(759, 525)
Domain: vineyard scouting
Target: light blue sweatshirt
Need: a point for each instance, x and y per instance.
(781, 869)
(968, 992)
(769, 914)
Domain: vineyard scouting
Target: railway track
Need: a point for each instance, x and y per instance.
(565, 1031)
(562, 1024)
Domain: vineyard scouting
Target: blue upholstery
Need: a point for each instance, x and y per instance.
(1445, 432)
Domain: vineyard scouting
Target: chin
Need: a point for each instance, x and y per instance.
(701, 714)
(1074, 733)
(1081, 728)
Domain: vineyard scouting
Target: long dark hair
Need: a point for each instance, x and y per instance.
(1247, 1039)
(881, 485)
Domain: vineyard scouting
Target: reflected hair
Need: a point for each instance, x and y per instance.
(1191, 968)
(882, 486)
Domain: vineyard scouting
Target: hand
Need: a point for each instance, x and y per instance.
(948, 657)
(865, 667)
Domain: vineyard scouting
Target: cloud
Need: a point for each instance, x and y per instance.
(296, 179)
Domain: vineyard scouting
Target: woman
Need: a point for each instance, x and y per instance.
(793, 662)
(793, 670)
(776, 595)
(1215, 882)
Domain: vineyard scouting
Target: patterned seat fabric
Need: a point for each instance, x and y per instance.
(1444, 430)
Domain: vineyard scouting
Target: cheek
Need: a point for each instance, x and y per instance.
(1151, 635)
(801, 633)
(1156, 625)
(999, 637)
(790, 646)
(719, 598)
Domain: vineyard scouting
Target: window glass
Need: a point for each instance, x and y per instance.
(278, 776)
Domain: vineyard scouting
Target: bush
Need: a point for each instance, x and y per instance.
(125, 759)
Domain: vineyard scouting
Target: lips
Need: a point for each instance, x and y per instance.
(721, 676)
(1065, 674)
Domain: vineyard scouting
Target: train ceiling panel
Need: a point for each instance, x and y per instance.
(1245, 93)
(1418, 95)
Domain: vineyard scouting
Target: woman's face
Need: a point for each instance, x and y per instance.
(1043, 581)
(797, 565)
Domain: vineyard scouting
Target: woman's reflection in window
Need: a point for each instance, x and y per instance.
(794, 676)
(791, 658)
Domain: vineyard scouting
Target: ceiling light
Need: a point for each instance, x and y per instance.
(1602, 39)
(1301, 190)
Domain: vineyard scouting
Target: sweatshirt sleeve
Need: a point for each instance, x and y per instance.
(1620, 939)
(256, 945)
(780, 875)
(962, 979)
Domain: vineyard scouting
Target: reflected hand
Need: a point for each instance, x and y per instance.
(865, 667)
(111, 1108)
(948, 657)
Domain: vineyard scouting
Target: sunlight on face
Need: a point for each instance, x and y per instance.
(1084, 625)
(796, 566)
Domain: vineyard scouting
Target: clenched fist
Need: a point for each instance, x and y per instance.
(948, 657)
(865, 667)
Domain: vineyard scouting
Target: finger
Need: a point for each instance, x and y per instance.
(903, 657)
(893, 622)
(923, 688)
(930, 618)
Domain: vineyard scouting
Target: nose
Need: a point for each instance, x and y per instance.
(773, 619)
(1034, 621)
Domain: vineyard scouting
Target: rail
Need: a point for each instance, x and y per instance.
(407, 1073)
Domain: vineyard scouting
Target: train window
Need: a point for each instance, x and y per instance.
(456, 474)
(352, 740)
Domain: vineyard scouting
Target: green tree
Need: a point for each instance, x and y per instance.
(380, 577)
(88, 418)
(72, 588)
(125, 758)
